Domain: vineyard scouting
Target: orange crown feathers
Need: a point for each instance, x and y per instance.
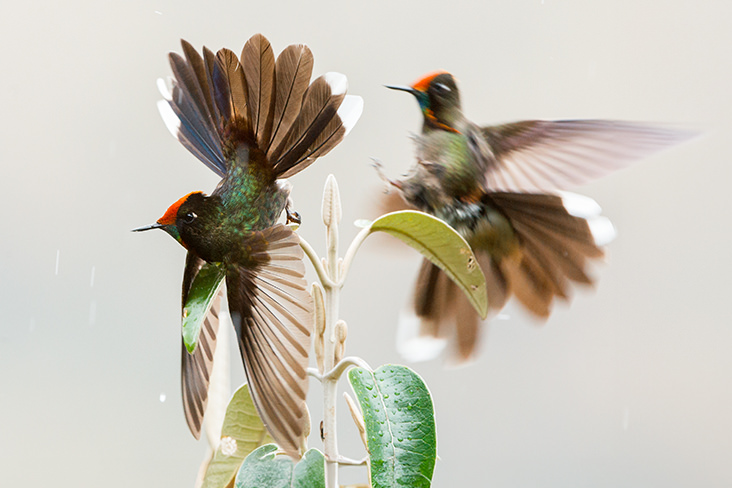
(172, 212)
(423, 83)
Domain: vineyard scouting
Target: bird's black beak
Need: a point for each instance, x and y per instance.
(148, 227)
(408, 89)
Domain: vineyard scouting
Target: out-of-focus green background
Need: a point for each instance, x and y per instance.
(630, 386)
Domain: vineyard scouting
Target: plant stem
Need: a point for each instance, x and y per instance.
(331, 219)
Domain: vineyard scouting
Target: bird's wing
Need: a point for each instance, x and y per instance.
(220, 102)
(196, 367)
(538, 156)
(272, 312)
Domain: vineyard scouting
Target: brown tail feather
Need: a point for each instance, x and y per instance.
(258, 65)
(220, 102)
(555, 247)
(551, 249)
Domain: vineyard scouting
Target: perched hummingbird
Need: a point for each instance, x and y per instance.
(253, 120)
(498, 186)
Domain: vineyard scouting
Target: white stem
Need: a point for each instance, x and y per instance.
(343, 364)
(351, 252)
(332, 286)
(317, 264)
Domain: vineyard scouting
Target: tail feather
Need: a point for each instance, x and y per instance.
(293, 70)
(319, 106)
(555, 246)
(258, 61)
(220, 102)
(233, 91)
(553, 250)
(443, 312)
(198, 66)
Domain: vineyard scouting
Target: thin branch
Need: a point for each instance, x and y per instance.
(342, 365)
(315, 374)
(351, 252)
(317, 264)
(343, 460)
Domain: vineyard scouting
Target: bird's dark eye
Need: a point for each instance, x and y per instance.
(189, 217)
(442, 88)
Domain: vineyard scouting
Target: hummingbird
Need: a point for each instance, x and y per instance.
(502, 188)
(253, 120)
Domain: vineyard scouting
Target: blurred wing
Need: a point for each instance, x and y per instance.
(542, 156)
(196, 367)
(273, 316)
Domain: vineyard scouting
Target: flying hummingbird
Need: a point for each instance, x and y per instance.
(253, 120)
(499, 187)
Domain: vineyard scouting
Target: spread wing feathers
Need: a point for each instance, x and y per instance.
(543, 156)
(220, 101)
(273, 316)
(196, 370)
(196, 367)
(555, 247)
(258, 63)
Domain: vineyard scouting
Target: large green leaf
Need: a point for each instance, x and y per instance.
(262, 469)
(241, 434)
(442, 245)
(203, 290)
(400, 426)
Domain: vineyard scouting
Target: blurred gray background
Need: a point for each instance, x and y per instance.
(628, 386)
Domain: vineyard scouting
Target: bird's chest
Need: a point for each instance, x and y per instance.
(447, 179)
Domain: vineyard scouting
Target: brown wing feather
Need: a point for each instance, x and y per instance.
(538, 155)
(196, 370)
(273, 316)
(196, 367)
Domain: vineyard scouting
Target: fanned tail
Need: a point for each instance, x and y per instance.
(219, 103)
(273, 316)
(557, 236)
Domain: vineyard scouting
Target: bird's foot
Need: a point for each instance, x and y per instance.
(376, 163)
(293, 217)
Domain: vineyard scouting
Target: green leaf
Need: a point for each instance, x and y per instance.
(310, 471)
(262, 469)
(400, 425)
(203, 290)
(241, 434)
(442, 245)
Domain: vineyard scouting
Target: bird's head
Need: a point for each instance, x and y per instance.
(181, 220)
(438, 97)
